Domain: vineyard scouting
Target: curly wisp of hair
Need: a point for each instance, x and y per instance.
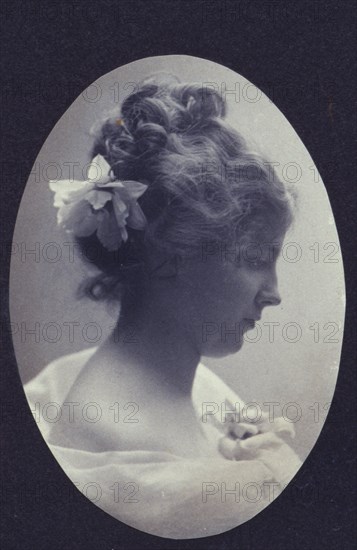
(204, 183)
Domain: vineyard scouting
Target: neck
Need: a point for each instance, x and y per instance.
(157, 345)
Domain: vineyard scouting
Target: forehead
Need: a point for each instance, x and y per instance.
(263, 239)
(267, 235)
(223, 252)
(263, 226)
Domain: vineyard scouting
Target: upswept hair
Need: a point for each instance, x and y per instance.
(204, 184)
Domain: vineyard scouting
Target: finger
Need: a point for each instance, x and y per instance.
(284, 426)
(278, 425)
(243, 430)
(267, 440)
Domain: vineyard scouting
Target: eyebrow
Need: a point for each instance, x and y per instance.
(273, 248)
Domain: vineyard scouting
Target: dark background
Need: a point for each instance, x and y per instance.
(301, 55)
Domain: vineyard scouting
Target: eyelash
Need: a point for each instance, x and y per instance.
(259, 264)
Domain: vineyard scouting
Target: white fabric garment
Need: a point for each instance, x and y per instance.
(158, 492)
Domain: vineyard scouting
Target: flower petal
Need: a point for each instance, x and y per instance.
(98, 198)
(115, 184)
(120, 209)
(78, 218)
(136, 218)
(98, 171)
(134, 188)
(67, 191)
(81, 204)
(108, 232)
(64, 214)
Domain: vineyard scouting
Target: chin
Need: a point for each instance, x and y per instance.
(222, 349)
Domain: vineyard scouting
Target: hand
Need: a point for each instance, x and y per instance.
(242, 430)
(245, 441)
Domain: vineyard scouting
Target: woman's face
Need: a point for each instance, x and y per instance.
(227, 292)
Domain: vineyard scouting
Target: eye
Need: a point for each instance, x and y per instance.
(257, 264)
(260, 263)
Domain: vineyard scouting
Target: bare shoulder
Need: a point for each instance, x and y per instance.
(101, 411)
(112, 411)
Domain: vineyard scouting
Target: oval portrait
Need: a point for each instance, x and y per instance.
(177, 297)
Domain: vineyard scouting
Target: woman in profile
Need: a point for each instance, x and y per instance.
(184, 224)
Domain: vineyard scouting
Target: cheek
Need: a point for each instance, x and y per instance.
(209, 303)
(223, 293)
(240, 282)
(222, 302)
(239, 294)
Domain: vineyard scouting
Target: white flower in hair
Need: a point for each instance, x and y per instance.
(82, 209)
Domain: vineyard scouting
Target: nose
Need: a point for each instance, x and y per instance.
(269, 295)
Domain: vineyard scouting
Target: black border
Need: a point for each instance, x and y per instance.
(304, 51)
